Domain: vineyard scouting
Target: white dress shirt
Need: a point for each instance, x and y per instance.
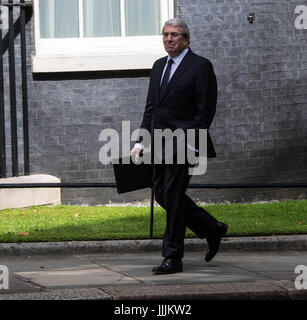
(177, 60)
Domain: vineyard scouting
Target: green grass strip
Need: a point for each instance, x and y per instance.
(68, 223)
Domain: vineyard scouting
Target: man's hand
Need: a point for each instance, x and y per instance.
(135, 152)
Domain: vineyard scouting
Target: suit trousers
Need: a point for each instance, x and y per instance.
(170, 183)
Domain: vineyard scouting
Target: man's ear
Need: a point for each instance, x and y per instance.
(187, 42)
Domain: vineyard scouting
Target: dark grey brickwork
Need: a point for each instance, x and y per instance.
(260, 128)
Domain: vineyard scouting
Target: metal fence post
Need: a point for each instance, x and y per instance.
(24, 88)
(152, 199)
(12, 78)
(2, 113)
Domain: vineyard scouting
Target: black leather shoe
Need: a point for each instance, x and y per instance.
(214, 240)
(168, 266)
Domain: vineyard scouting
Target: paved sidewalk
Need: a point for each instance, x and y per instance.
(243, 269)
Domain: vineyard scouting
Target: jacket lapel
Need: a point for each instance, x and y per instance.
(157, 79)
(178, 73)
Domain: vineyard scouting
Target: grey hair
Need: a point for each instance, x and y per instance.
(178, 22)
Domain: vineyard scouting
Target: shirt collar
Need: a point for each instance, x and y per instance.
(179, 58)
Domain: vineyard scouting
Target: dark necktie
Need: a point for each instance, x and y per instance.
(166, 77)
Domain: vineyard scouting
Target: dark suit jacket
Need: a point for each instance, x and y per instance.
(189, 101)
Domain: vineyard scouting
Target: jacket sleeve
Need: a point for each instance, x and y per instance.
(147, 116)
(205, 97)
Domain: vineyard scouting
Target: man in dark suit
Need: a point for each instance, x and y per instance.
(182, 95)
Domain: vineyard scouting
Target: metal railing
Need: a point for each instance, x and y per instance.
(7, 44)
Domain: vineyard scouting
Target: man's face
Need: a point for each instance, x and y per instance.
(174, 45)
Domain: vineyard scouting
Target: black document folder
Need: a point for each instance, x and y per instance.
(132, 177)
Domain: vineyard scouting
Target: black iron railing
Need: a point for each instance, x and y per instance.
(7, 44)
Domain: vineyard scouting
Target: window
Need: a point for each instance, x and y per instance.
(114, 34)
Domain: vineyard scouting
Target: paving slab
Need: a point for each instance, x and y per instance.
(19, 263)
(34, 272)
(69, 278)
(196, 270)
(275, 265)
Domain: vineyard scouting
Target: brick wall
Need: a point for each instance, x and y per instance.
(260, 128)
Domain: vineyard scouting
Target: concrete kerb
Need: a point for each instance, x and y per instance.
(263, 243)
(207, 291)
(275, 290)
